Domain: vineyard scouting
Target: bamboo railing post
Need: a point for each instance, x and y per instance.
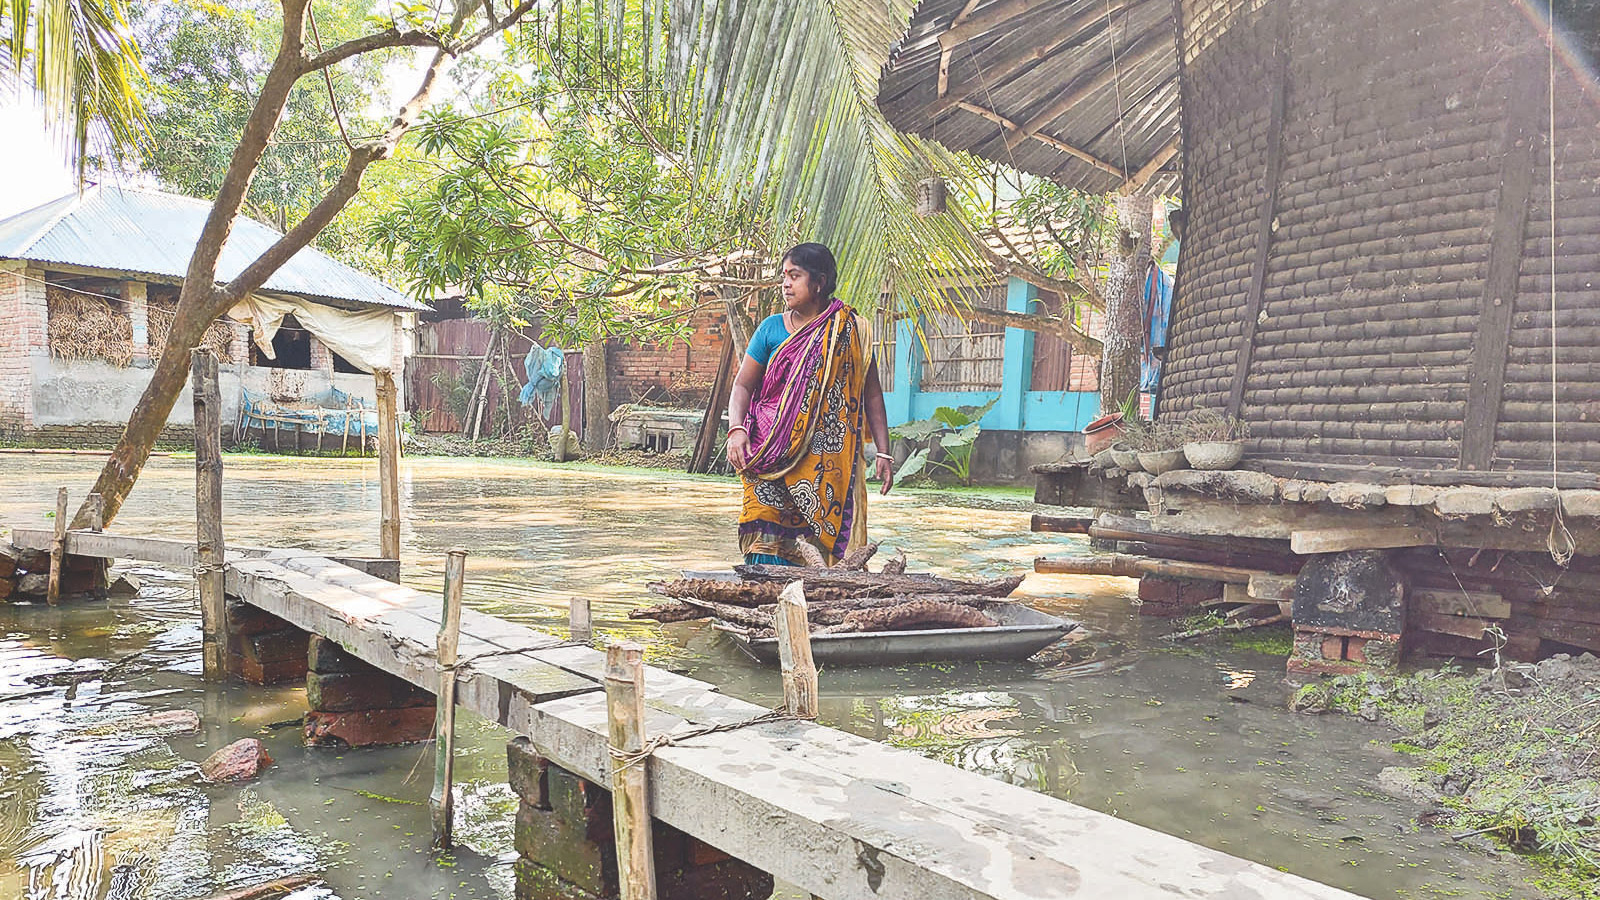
(95, 505)
(578, 617)
(442, 801)
(388, 466)
(630, 791)
(566, 416)
(794, 652)
(58, 548)
(208, 511)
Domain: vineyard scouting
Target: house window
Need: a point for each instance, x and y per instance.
(344, 366)
(291, 346)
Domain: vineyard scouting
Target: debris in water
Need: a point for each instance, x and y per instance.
(241, 760)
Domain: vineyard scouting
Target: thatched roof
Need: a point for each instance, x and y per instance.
(1084, 92)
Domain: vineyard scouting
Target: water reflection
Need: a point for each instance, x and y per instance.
(1193, 740)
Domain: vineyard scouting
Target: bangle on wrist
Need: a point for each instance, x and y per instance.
(733, 428)
(886, 456)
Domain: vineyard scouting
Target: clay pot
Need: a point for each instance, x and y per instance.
(1158, 461)
(1125, 458)
(1214, 455)
(1102, 433)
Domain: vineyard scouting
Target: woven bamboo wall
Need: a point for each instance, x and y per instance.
(1397, 119)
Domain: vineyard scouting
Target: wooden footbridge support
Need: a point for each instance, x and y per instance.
(837, 815)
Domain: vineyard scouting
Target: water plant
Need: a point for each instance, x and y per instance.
(953, 431)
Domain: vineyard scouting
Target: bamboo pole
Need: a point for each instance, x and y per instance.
(580, 619)
(566, 415)
(388, 466)
(58, 548)
(208, 511)
(630, 792)
(442, 801)
(794, 652)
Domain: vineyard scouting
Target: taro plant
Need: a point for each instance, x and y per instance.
(953, 431)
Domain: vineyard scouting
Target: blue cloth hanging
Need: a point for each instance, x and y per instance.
(544, 366)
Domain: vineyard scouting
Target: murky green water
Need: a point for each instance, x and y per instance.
(96, 800)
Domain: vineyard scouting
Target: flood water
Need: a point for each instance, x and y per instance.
(99, 796)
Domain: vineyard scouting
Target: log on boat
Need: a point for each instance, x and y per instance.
(869, 584)
(915, 614)
(740, 593)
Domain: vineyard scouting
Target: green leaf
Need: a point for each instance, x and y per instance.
(919, 430)
(913, 464)
(951, 416)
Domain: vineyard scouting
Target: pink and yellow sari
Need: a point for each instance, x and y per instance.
(806, 479)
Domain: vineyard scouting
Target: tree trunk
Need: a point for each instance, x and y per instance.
(596, 397)
(1119, 359)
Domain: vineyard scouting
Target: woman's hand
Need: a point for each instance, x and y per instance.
(885, 473)
(738, 449)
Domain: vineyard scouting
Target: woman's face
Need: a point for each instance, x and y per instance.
(797, 289)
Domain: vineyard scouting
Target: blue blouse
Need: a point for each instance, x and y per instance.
(769, 334)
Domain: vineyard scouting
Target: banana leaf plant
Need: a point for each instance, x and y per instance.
(953, 430)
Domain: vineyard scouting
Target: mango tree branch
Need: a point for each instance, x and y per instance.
(1081, 343)
(390, 37)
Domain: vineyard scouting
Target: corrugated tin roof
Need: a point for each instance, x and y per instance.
(153, 233)
(1084, 92)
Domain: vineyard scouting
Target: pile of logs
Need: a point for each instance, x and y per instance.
(841, 599)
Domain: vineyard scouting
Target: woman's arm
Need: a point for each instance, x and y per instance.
(745, 386)
(878, 426)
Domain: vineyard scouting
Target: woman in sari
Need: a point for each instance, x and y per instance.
(804, 395)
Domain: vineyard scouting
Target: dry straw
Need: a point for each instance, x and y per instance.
(84, 327)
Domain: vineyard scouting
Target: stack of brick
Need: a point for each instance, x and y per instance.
(1349, 613)
(1165, 597)
(26, 574)
(567, 849)
(262, 648)
(354, 704)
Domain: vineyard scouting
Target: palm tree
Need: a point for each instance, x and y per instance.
(79, 58)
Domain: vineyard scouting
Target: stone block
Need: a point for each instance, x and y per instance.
(1523, 500)
(528, 773)
(272, 646)
(350, 691)
(578, 801)
(1355, 495)
(577, 852)
(535, 882)
(1358, 590)
(1410, 494)
(1465, 501)
(325, 655)
(369, 728)
(1581, 503)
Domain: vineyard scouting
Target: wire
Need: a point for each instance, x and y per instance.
(1559, 542)
(1116, 82)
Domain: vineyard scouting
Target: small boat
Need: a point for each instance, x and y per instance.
(1022, 632)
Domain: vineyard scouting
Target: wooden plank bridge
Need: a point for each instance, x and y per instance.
(837, 815)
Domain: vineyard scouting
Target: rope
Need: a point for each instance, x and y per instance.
(1559, 541)
(633, 758)
(1116, 82)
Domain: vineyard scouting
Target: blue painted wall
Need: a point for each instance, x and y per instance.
(1018, 409)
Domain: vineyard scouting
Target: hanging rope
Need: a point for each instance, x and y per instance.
(1116, 83)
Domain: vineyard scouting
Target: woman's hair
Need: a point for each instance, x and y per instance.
(817, 261)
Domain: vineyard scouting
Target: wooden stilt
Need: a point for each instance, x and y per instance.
(630, 793)
(388, 466)
(794, 652)
(58, 548)
(96, 507)
(441, 801)
(208, 511)
(566, 416)
(579, 618)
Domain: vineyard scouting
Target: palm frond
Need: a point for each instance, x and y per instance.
(79, 58)
(781, 100)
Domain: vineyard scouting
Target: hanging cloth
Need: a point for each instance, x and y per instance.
(364, 337)
(544, 366)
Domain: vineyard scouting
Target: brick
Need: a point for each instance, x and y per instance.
(325, 655)
(272, 646)
(576, 853)
(369, 728)
(254, 671)
(351, 691)
(1333, 647)
(244, 619)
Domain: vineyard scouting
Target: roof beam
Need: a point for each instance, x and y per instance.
(993, 15)
(1002, 70)
(944, 51)
(1045, 139)
(1148, 171)
(1153, 43)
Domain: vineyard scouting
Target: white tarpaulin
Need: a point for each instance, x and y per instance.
(365, 338)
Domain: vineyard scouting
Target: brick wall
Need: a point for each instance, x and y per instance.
(23, 335)
(683, 370)
(1396, 115)
(98, 437)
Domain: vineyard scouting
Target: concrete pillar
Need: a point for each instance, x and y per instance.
(354, 704)
(907, 373)
(135, 297)
(567, 850)
(1007, 414)
(1349, 613)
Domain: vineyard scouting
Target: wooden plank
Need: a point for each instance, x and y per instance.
(1461, 626)
(210, 549)
(580, 620)
(58, 548)
(1486, 382)
(1277, 588)
(1062, 524)
(1399, 475)
(630, 787)
(1480, 604)
(1271, 181)
(441, 802)
(1118, 564)
(1338, 540)
(794, 652)
(810, 805)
